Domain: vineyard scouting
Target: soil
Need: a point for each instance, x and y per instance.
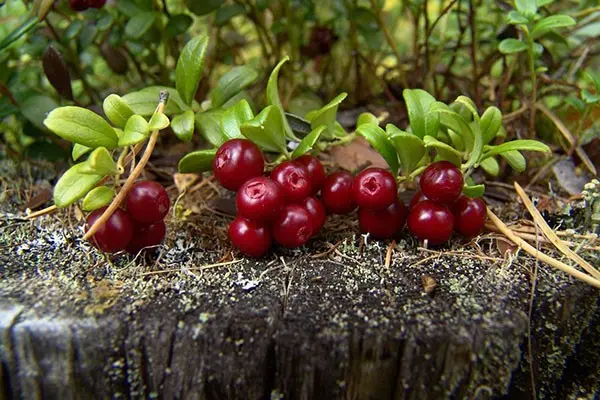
(331, 320)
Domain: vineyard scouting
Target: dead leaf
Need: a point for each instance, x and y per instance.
(357, 154)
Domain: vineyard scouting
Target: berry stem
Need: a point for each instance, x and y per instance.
(163, 97)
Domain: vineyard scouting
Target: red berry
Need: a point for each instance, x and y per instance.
(236, 161)
(97, 3)
(293, 228)
(317, 212)
(417, 198)
(146, 236)
(79, 5)
(374, 188)
(469, 215)
(383, 223)
(336, 193)
(147, 202)
(294, 179)
(115, 234)
(442, 181)
(250, 237)
(260, 199)
(315, 170)
(432, 221)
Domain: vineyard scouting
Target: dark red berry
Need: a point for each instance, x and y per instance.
(417, 198)
(294, 179)
(316, 209)
(250, 237)
(260, 199)
(432, 221)
(97, 3)
(293, 228)
(383, 223)
(469, 215)
(315, 170)
(146, 236)
(147, 202)
(442, 181)
(236, 161)
(336, 193)
(115, 234)
(79, 5)
(374, 188)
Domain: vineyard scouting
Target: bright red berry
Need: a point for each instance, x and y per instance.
(147, 202)
(374, 188)
(97, 3)
(442, 181)
(294, 180)
(336, 193)
(432, 221)
(469, 215)
(250, 237)
(115, 234)
(146, 236)
(316, 209)
(417, 198)
(79, 5)
(383, 223)
(260, 199)
(315, 170)
(236, 161)
(293, 228)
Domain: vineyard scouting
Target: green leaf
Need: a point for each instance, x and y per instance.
(203, 7)
(158, 122)
(117, 110)
(266, 130)
(308, 142)
(418, 102)
(233, 82)
(327, 115)
(80, 125)
(144, 102)
(208, 123)
(589, 98)
(474, 191)
(73, 185)
(100, 162)
(510, 46)
(79, 150)
(273, 97)
(139, 24)
(469, 105)
(136, 131)
(225, 13)
(516, 18)
(197, 161)
(410, 148)
(73, 30)
(457, 141)
(299, 125)
(105, 22)
(491, 166)
(380, 142)
(35, 108)
(520, 145)
(190, 66)
(87, 36)
(491, 122)
(527, 7)
(97, 198)
(450, 119)
(15, 35)
(551, 23)
(515, 159)
(178, 24)
(233, 118)
(443, 150)
(183, 125)
(368, 118)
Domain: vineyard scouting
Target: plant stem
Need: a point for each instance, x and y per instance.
(473, 27)
(533, 77)
(163, 97)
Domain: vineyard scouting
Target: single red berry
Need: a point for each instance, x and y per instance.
(294, 179)
(442, 181)
(147, 202)
(250, 237)
(236, 161)
(260, 199)
(383, 223)
(315, 170)
(115, 234)
(97, 3)
(336, 193)
(374, 188)
(146, 236)
(417, 198)
(293, 228)
(469, 215)
(316, 209)
(432, 221)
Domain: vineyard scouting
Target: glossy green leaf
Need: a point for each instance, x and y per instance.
(183, 125)
(203, 7)
(273, 97)
(457, 141)
(73, 185)
(491, 166)
(105, 22)
(80, 125)
(327, 115)
(443, 150)
(100, 162)
(520, 145)
(308, 142)
(527, 7)
(233, 82)
(139, 24)
(117, 110)
(144, 102)
(474, 191)
(158, 122)
(233, 118)
(208, 123)
(225, 13)
(410, 148)
(190, 67)
(469, 104)
(178, 24)
(266, 130)
(450, 119)
(380, 142)
(136, 131)
(368, 118)
(298, 124)
(15, 35)
(87, 36)
(97, 198)
(79, 150)
(515, 159)
(35, 108)
(491, 122)
(514, 17)
(73, 30)
(418, 102)
(550, 23)
(510, 46)
(197, 161)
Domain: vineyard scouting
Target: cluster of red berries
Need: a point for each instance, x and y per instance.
(439, 207)
(281, 207)
(138, 226)
(82, 5)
